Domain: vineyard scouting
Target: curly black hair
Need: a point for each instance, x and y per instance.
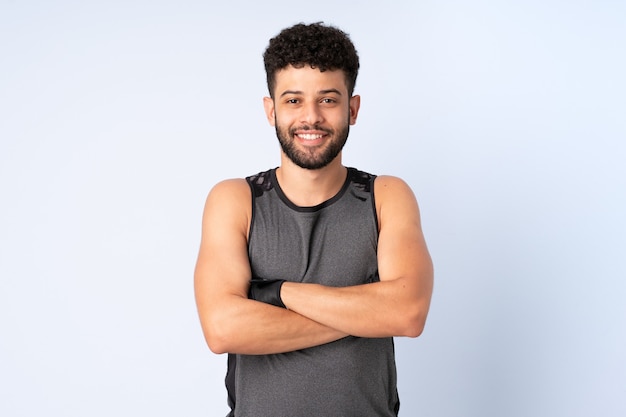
(317, 45)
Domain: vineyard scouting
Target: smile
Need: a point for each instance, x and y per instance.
(309, 136)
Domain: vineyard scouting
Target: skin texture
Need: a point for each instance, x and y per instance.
(310, 102)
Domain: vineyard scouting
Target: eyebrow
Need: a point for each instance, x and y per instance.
(328, 91)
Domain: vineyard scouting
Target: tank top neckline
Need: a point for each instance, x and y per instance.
(310, 209)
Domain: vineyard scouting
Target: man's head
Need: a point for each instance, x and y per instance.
(315, 45)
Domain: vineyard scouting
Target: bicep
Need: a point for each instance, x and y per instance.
(223, 268)
(402, 250)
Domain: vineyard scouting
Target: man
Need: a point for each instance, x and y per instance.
(306, 272)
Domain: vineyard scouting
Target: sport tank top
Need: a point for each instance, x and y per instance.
(333, 244)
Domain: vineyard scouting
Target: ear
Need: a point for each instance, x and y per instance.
(355, 105)
(268, 104)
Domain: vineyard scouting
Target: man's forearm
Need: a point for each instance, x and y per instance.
(380, 309)
(254, 328)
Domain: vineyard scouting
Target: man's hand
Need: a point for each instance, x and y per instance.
(266, 291)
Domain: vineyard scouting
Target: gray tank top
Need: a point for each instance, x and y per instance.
(334, 244)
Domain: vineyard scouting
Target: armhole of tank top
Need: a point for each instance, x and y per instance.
(252, 212)
(374, 211)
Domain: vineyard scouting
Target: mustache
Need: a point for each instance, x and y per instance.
(316, 127)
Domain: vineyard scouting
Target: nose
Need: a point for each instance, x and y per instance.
(311, 114)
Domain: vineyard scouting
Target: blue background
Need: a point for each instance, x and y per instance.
(506, 117)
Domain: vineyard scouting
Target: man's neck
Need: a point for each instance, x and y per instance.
(308, 187)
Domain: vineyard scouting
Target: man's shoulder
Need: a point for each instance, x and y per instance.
(390, 181)
(230, 186)
(243, 184)
(361, 179)
(228, 203)
(262, 181)
(229, 194)
(391, 188)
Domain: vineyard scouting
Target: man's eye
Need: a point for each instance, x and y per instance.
(329, 100)
(292, 101)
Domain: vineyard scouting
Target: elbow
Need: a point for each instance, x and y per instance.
(217, 337)
(216, 344)
(414, 328)
(415, 322)
(218, 321)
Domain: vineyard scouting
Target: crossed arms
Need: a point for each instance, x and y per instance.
(315, 314)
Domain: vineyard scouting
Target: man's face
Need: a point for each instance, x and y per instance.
(312, 113)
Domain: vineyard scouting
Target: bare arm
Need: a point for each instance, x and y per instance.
(399, 303)
(230, 321)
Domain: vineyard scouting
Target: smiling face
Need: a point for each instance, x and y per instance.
(312, 113)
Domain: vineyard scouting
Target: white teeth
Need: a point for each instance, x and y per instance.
(309, 136)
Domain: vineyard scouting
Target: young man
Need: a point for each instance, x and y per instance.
(307, 271)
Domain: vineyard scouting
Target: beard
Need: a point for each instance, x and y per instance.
(314, 157)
